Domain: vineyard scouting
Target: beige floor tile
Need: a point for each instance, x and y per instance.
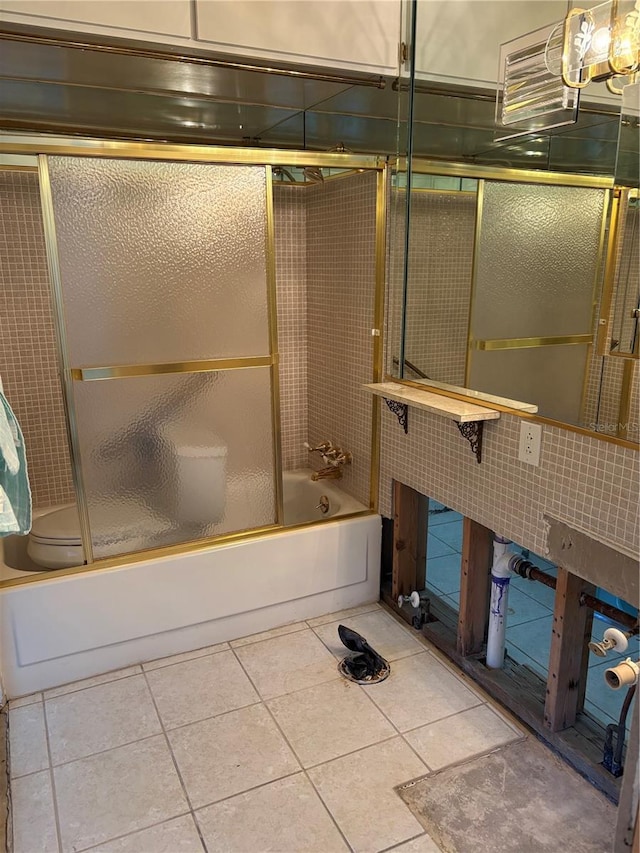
(100, 718)
(282, 817)
(23, 701)
(197, 653)
(268, 635)
(329, 720)
(422, 844)
(342, 614)
(420, 690)
(380, 630)
(34, 822)
(288, 663)
(201, 688)
(358, 791)
(226, 755)
(27, 740)
(175, 836)
(117, 792)
(92, 682)
(462, 736)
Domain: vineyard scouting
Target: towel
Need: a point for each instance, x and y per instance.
(15, 493)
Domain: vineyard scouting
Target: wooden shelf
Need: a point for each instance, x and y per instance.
(457, 410)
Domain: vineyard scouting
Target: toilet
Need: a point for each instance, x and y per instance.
(196, 502)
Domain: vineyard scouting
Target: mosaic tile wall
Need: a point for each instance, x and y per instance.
(28, 361)
(439, 285)
(589, 483)
(604, 380)
(289, 207)
(341, 217)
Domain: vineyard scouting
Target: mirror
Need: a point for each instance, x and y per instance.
(509, 249)
(504, 293)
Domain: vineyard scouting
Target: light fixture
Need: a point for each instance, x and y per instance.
(601, 43)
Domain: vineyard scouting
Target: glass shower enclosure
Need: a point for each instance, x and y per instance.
(163, 284)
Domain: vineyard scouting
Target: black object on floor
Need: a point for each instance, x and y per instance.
(366, 666)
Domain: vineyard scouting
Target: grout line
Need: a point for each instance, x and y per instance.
(407, 840)
(297, 757)
(88, 686)
(133, 832)
(303, 627)
(186, 660)
(175, 762)
(54, 795)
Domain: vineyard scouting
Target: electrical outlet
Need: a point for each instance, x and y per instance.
(530, 441)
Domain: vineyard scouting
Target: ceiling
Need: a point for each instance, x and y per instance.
(134, 90)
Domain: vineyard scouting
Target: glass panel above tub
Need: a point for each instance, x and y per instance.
(171, 459)
(156, 258)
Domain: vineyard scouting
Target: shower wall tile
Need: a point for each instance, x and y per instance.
(28, 359)
(289, 204)
(439, 283)
(341, 218)
(588, 483)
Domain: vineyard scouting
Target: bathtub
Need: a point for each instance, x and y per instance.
(302, 498)
(76, 626)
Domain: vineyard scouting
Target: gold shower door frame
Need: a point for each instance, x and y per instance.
(61, 146)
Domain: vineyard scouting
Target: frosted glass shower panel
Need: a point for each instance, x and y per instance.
(175, 458)
(550, 377)
(161, 262)
(536, 261)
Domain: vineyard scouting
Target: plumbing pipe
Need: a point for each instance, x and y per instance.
(500, 576)
(612, 639)
(527, 570)
(623, 675)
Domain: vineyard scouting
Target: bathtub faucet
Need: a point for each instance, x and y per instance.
(333, 457)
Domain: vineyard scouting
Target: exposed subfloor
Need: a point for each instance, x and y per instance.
(255, 745)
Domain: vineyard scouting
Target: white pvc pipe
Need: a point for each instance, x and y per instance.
(500, 577)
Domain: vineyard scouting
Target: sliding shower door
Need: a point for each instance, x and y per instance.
(536, 267)
(164, 298)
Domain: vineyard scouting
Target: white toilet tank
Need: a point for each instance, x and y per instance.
(200, 468)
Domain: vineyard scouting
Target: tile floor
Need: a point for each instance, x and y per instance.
(530, 613)
(254, 745)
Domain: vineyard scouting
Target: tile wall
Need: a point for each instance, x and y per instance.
(341, 219)
(289, 205)
(439, 286)
(28, 361)
(589, 483)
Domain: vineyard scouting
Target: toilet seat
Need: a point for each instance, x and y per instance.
(55, 541)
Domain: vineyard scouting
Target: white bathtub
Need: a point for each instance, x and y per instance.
(302, 498)
(76, 626)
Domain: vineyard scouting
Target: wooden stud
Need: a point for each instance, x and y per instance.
(475, 587)
(564, 690)
(410, 520)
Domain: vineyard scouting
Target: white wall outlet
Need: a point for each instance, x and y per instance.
(530, 441)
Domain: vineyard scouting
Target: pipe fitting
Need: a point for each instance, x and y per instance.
(613, 639)
(625, 674)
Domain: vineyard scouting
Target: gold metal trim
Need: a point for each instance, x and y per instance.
(604, 322)
(8, 167)
(180, 548)
(123, 371)
(501, 173)
(529, 343)
(632, 445)
(51, 244)
(477, 233)
(382, 194)
(121, 48)
(624, 409)
(84, 147)
(270, 258)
